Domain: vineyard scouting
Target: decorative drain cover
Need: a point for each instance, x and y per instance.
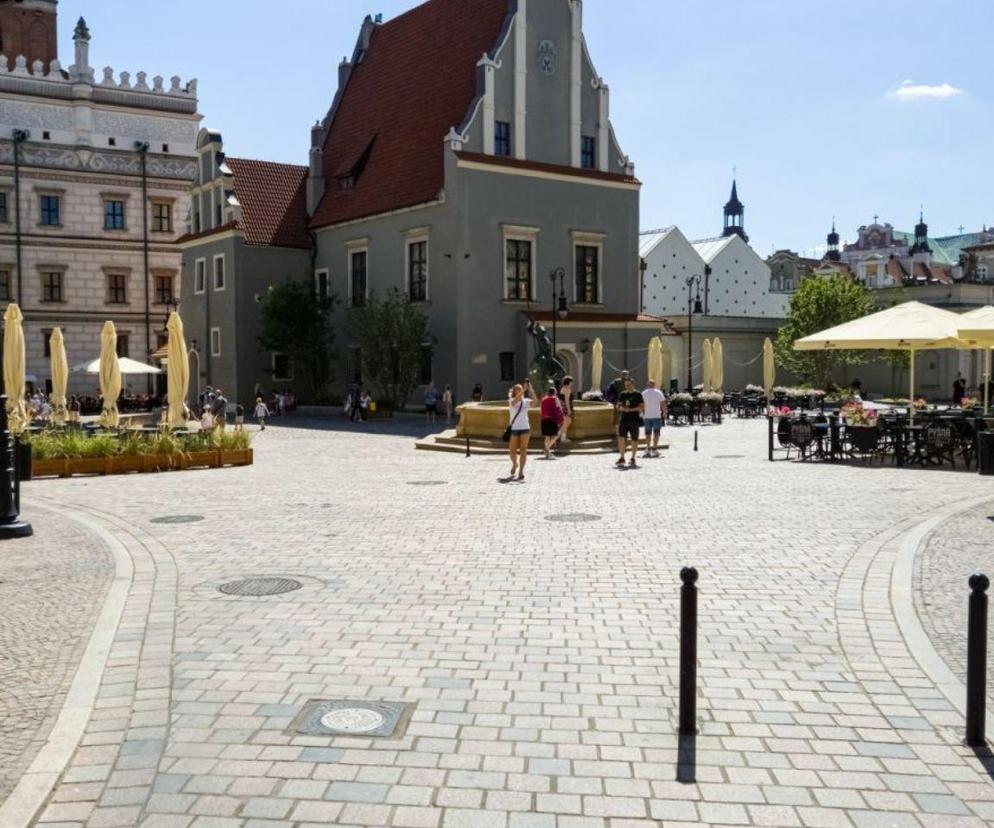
(573, 518)
(426, 483)
(256, 587)
(350, 717)
(178, 519)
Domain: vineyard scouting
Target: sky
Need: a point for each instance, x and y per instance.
(823, 109)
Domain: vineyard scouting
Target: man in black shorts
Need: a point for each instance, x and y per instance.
(630, 407)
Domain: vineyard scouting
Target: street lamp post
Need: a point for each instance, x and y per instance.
(560, 310)
(693, 306)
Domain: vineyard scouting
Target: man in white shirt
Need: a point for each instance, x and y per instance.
(655, 413)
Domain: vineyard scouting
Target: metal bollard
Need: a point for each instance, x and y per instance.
(467, 447)
(769, 421)
(695, 440)
(976, 661)
(688, 652)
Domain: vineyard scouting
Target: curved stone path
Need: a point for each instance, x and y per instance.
(540, 657)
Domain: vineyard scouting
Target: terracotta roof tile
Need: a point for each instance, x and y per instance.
(273, 201)
(415, 82)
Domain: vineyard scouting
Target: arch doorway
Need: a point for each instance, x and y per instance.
(570, 361)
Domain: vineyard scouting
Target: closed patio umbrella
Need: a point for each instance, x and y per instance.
(597, 365)
(177, 372)
(13, 368)
(665, 362)
(769, 369)
(707, 364)
(717, 365)
(655, 362)
(60, 376)
(110, 376)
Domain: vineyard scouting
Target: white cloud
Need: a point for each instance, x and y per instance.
(909, 91)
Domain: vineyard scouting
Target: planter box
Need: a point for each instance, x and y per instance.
(86, 465)
(158, 462)
(53, 467)
(198, 460)
(123, 464)
(235, 457)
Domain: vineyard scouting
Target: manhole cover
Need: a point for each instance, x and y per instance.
(352, 717)
(260, 586)
(573, 518)
(426, 483)
(729, 456)
(178, 519)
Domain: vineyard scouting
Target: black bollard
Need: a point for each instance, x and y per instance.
(769, 423)
(976, 661)
(688, 651)
(467, 447)
(695, 440)
(11, 525)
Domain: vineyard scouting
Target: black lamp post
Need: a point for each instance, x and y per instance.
(560, 310)
(693, 306)
(11, 525)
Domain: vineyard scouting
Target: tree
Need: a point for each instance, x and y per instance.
(295, 322)
(393, 341)
(816, 305)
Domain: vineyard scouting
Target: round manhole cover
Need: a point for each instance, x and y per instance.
(260, 586)
(352, 720)
(573, 518)
(178, 519)
(426, 483)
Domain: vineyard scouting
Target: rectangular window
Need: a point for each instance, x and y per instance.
(123, 349)
(163, 290)
(321, 287)
(113, 215)
(51, 286)
(3, 208)
(518, 269)
(981, 273)
(162, 217)
(588, 152)
(282, 368)
(507, 366)
(502, 138)
(357, 268)
(46, 338)
(424, 372)
(417, 271)
(215, 342)
(219, 272)
(200, 276)
(51, 211)
(587, 274)
(4, 285)
(117, 288)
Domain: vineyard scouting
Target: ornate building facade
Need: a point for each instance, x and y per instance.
(94, 191)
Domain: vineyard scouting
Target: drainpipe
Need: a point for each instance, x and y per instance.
(141, 147)
(20, 136)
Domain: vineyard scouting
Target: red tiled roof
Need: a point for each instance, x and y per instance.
(896, 271)
(273, 200)
(203, 234)
(541, 166)
(415, 82)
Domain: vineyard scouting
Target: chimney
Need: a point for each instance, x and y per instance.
(80, 71)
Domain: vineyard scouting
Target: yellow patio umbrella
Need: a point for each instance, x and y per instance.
(110, 376)
(717, 365)
(60, 376)
(13, 368)
(707, 364)
(655, 362)
(177, 372)
(769, 369)
(665, 362)
(597, 365)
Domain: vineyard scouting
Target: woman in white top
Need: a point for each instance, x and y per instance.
(517, 408)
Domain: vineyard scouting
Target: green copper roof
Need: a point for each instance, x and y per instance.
(945, 250)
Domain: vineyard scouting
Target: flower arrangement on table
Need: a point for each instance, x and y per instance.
(855, 415)
(754, 389)
(711, 397)
(969, 402)
(778, 411)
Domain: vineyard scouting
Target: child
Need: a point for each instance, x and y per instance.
(207, 421)
(239, 417)
(261, 411)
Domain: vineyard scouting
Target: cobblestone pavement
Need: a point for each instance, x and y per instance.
(957, 549)
(51, 587)
(540, 657)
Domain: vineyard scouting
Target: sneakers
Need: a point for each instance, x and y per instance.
(620, 461)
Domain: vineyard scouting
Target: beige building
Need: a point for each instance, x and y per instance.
(94, 191)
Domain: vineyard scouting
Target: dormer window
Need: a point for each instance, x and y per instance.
(350, 173)
(346, 182)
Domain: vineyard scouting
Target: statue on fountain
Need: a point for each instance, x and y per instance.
(545, 367)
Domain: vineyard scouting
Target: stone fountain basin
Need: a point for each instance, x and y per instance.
(591, 420)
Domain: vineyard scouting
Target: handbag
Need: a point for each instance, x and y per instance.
(506, 436)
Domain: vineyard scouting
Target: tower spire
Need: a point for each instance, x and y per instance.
(921, 235)
(833, 254)
(735, 215)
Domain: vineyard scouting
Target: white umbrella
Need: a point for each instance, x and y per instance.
(13, 368)
(110, 376)
(706, 365)
(597, 365)
(978, 329)
(717, 365)
(655, 361)
(60, 376)
(125, 366)
(177, 372)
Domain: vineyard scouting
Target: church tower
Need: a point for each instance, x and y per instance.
(921, 236)
(735, 216)
(28, 27)
(833, 254)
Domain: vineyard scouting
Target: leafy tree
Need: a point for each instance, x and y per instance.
(296, 322)
(816, 305)
(392, 337)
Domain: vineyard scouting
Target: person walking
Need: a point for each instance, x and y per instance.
(239, 417)
(655, 415)
(431, 403)
(261, 412)
(355, 411)
(566, 398)
(520, 431)
(959, 389)
(447, 404)
(552, 416)
(221, 409)
(477, 395)
(630, 407)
